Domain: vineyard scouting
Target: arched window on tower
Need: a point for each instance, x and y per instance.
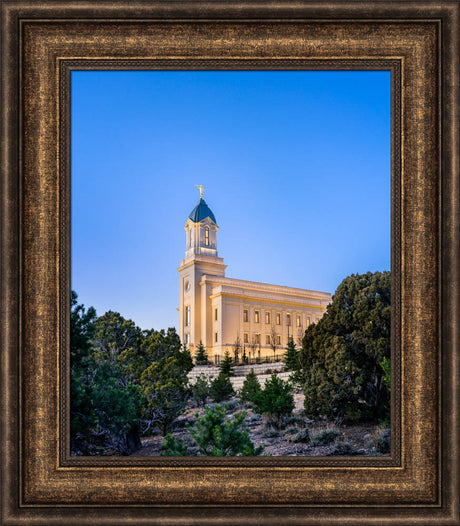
(206, 236)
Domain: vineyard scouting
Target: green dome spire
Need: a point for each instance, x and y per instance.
(201, 211)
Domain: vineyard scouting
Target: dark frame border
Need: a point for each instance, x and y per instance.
(34, 503)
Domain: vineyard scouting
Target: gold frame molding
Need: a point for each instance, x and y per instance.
(42, 42)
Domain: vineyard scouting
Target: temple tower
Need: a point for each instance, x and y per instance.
(200, 259)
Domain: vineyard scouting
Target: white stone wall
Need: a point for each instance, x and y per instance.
(240, 373)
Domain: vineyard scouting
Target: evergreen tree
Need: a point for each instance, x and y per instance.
(291, 357)
(251, 387)
(385, 364)
(220, 436)
(237, 349)
(275, 400)
(201, 357)
(226, 366)
(217, 436)
(184, 357)
(82, 416)
(342, 354)
(123, 381)
(113, 334)
(155, 346)
(173, 447)
(104, 404)
(163, 391)
(81, 329)
(221, 388)
(201, 389)
(166, 390)
(116, 406)
(244, 356)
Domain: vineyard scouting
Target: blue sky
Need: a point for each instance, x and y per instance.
(295, 166)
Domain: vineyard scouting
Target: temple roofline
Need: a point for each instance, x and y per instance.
(266, 287)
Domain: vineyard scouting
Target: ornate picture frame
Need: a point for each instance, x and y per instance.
(42, 42)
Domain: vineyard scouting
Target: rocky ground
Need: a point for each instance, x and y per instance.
(298, 436)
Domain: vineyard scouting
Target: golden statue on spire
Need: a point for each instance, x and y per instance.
(200, 188)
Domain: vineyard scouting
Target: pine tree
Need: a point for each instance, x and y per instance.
(244, 356)
(251, 387)
(215, 436)
(201, 389)
(291, 357)
(237, 349)
(221, 388)
(226, 366)
(275, 400)
(201, 356)
(173, 447)
(220, 436)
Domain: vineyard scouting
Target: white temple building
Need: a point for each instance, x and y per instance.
(219, 311)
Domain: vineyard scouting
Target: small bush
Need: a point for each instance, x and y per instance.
(221, 388)
(189, 441)
(342, 448)
(291, 430)
(380, 441)
(302, 436)
(270, 432)
(180, 423)
(253, 419)
(173, 447)
(232, 405)
(323, 437)
(293, 420)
